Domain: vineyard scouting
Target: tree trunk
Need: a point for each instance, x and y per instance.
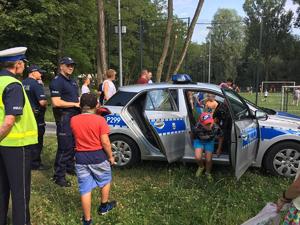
(171, 58)
(189, 36)
(60, 43)
(101, 54)
(166, 43)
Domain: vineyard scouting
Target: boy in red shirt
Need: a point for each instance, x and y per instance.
(93, 156)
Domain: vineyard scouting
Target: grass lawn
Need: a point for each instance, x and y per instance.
(157, 193)
(273, 102)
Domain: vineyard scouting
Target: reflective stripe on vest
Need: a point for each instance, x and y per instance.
(24, 131)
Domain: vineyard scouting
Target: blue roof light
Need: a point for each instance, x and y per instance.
(181, 78)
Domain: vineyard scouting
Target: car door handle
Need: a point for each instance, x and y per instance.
(244, 136)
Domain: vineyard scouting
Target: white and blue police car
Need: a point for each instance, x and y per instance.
(154, 122)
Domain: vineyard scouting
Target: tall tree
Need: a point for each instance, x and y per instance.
(189, 35)
(101, 50)
(227, 41)
(276, 25)
(166, 42)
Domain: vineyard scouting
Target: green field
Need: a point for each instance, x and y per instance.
(157, 193)
(273, 101)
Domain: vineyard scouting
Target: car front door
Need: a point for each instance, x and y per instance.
(244, 133)
(166, 123)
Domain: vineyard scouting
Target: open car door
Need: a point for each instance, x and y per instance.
(166, 123)
(244, 133)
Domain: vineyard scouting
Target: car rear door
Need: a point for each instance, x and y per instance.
(166, 122)
(244, 133)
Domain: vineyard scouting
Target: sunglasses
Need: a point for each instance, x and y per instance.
(70, 65)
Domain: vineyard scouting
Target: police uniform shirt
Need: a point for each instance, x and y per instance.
(65, 88)
(34, 91)
(13, 96)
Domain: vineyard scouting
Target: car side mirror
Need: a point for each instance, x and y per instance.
(261, 115)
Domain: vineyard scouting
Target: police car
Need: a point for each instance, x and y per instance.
(154, 122)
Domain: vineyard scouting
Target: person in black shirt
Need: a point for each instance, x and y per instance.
(65, 101)
(38, 102)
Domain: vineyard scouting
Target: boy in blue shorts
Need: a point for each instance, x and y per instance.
(93, 156)
(205, 133)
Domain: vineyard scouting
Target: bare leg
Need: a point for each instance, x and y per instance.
(220, 143)
(208, 157)
(86, 205)
(105, 193)
(198, 157)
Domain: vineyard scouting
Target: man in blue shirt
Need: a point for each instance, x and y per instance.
(65, 101)
(38, 101)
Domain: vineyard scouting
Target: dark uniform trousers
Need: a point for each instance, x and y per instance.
(15, 176)
(36, 149)
(64, 161)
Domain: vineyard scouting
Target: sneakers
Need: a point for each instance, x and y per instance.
(209, 177)
(199, 172)
(85, 222)
(106, 207)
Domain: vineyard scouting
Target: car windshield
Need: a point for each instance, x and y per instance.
(121, 98)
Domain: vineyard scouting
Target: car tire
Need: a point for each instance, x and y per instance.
(283, 159)
(125, 150)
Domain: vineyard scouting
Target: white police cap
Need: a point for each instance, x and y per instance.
(13, 54)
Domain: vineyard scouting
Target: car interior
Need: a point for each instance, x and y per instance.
(136, 110)
(221, 113)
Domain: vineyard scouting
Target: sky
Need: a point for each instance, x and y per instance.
(186, 8)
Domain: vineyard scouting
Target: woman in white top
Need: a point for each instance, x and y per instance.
(85, 86)
(108, 86)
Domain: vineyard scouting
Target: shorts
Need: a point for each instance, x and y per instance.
(208, 146)
(92, 175)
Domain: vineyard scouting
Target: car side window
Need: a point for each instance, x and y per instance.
(239, 108)
(159, 100)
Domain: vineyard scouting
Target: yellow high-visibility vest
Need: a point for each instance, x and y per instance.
(24, 131)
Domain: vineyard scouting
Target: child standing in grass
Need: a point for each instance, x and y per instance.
(93, 156)
(205, 133)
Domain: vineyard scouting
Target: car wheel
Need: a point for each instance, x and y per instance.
(283, 159)
(125, 150)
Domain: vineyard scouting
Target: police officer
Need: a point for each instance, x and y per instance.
(38, 102)
(65, 101)
(18, 130)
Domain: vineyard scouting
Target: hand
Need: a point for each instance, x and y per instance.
(112, 160)
(280, 203)
(77, 104)
(219, 151)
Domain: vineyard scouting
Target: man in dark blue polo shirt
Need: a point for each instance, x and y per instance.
(65, 101)
(38, 101)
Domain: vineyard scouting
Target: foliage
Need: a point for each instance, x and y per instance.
(42, 25)
(275, 23)
(297, 23)
(228, 40)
